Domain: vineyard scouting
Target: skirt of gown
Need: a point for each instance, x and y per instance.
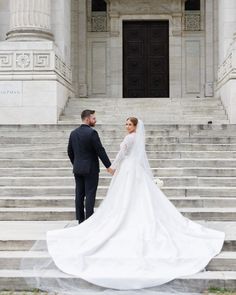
(135, 239)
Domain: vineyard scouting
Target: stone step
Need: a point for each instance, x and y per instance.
(144, 100)
(68, 201)
(149, 115)
(22, 235)
(161, 163)
(137, 104)
(30, 191)
(225, 261)
(105, 181)
(187, 119)
(27, 244)
(160, 172)
(182, 121)
(117, 141)
(169, 108)
(67, 213)
(119, 126)
(174, 147)
(143, 111)
(194, 283)
(120, 133)
(159, 112)
(111, 128)
(14, 154)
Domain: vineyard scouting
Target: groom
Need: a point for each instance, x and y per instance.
(84, 149)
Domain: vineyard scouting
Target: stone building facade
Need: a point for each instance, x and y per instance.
(51, 50)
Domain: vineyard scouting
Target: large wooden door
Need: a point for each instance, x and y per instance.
(145, 59)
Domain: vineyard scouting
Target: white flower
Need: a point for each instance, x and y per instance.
(158, 182)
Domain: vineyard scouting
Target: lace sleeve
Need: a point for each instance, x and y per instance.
(125, 148)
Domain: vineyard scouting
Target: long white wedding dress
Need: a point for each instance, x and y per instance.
(136, 238)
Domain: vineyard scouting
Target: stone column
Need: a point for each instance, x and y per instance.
(82, 54)
(30, 20)
(227, 26)
(209, 48)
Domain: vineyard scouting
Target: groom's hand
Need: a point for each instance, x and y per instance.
(110, 170)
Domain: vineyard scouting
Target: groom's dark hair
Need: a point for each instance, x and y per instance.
(86, 113)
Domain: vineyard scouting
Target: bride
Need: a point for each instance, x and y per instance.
(136, 238)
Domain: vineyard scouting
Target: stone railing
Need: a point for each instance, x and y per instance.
(34, 62)
(192, 20)
(63, 69)
(227, 69)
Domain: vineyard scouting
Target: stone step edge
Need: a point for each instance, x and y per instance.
(71, 197)
(45, 254)
(110, 177)
(104, 169)
(228, 238)
(120, 138)
(213, 275)
(72, 210)
(106, 187)
(50, 146)
(158, 159)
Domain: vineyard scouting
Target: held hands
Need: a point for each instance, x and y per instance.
(111, 171)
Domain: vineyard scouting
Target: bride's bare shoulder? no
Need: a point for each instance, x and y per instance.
(129, 137)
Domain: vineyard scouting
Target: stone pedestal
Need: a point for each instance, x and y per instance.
(35, 82)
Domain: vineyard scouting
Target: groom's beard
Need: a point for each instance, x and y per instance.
(92, 124)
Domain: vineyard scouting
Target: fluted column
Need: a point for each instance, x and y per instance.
(30, 20)
(227, 26)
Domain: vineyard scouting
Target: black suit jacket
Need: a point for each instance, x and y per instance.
(84, 148)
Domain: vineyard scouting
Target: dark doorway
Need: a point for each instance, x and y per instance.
(145, 59)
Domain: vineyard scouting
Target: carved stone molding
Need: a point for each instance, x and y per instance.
(192, 21)
(99, 22)
(23, 60)
(41, 60)
(6, 60)
(35, 62)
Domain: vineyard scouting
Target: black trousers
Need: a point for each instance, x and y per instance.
(85, 186)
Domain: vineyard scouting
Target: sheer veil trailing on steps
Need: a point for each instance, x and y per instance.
(136, 240)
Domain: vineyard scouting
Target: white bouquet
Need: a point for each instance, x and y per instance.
(158, 182)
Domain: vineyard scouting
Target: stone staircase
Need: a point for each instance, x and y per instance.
(197, 163)
(151, 110)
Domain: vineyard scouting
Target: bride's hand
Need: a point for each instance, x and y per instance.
(111, 171)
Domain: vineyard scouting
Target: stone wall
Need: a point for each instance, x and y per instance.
(192, 47)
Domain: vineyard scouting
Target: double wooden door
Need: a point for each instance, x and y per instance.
(145, 59)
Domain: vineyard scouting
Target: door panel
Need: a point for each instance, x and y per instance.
(146, 59)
